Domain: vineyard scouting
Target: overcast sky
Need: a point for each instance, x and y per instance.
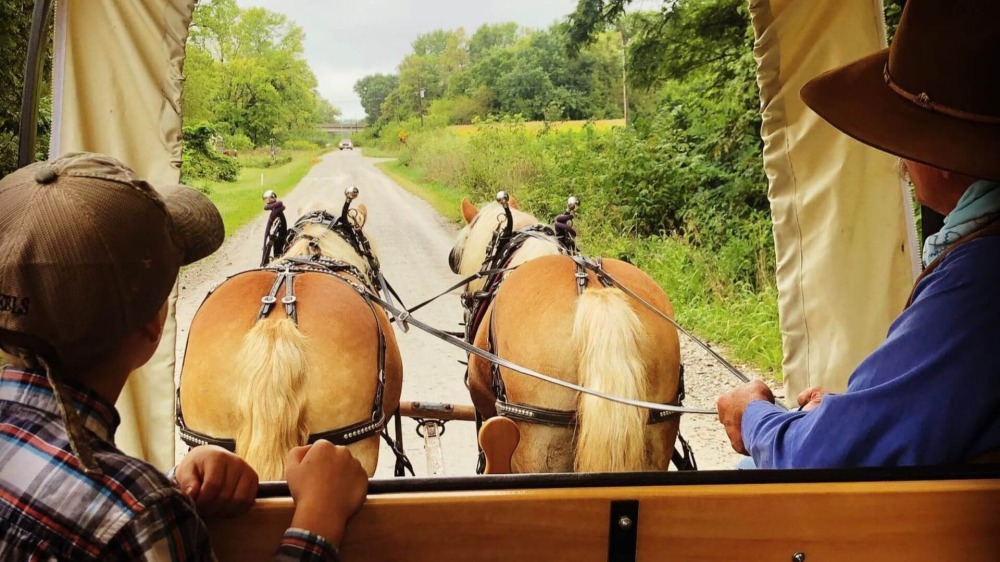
(348, 40)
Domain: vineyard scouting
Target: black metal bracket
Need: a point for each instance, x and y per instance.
(623, 530)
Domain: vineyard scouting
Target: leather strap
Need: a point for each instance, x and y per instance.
(341, 436)
(564, 418)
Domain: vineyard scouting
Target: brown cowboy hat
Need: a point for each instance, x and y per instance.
(933, 96)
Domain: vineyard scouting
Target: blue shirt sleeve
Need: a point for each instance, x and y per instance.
(930, 394)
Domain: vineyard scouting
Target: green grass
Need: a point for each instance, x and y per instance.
(375, 152)
(240, 202)
(446, 200)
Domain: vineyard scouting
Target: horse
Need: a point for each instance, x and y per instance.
(307, 365)
(601, 339)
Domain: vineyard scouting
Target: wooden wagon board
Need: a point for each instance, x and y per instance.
(913, 520)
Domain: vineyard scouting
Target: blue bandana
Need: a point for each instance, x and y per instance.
(978, 207)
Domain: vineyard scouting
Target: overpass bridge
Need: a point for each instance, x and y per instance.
(343, 128)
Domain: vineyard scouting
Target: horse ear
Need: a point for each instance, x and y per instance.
(360, 216)
(469, 211)
(513, 203)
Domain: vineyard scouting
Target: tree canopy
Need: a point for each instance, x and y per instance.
(246, 74)
(501, 69)
(15, 25)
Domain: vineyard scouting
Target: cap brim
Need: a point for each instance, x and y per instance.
(856, 100)
(196, 220)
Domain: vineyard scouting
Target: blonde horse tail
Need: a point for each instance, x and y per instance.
(606, 337)
(271, 401)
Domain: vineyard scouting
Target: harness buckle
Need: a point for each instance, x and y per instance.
(268, 299)
(290, 299)
(401, 321)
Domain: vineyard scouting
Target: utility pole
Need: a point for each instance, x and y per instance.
(421, 108)
(621, 31)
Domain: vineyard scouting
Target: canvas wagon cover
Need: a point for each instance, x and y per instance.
(843, 222)
(117, 79)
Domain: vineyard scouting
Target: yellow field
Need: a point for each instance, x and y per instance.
(601, 125)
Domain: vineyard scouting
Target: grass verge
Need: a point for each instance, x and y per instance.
(240, 202)
(446, 200)
(376, 152)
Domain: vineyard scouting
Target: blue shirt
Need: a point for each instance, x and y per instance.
(929, 395)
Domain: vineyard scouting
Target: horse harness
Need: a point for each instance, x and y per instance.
(499, 255)
(361, 282)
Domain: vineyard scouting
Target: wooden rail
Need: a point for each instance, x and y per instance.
(858, 521)
(437, 411)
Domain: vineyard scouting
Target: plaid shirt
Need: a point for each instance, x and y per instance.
(51, 510)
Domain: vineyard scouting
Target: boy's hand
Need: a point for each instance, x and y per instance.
(328, 484)
(219, 482)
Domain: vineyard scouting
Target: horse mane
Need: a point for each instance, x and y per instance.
(331, 245)
(481, 232)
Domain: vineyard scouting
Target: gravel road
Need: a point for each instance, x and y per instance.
(412, 241)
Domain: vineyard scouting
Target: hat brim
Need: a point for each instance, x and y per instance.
(856, 100)
(196, 220)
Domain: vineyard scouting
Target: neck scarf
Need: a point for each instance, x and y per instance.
(978, 207)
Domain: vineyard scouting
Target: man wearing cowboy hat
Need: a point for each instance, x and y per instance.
(84, 299)
(930, 394)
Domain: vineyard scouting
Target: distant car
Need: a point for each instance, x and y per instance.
(346, 143)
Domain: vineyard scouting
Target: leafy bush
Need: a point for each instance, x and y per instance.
(202, 161)
(263, 161)
(237, 141)
(300, 144)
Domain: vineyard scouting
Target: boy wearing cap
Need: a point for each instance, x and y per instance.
(88, 256)
(930, 393)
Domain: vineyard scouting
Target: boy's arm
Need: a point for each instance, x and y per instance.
(169, 529)
(300, 544)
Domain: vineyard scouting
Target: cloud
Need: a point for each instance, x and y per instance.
(348, 40)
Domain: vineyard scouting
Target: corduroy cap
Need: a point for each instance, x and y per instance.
(89, 252)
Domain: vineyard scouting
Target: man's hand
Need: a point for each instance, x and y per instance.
(328, 485)
(811, 397)
(731, 406)
(219, 482)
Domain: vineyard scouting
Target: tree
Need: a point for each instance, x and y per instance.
(247, 74)
(373, 90)
(325, 112)
(491, 36)
(15, 26)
